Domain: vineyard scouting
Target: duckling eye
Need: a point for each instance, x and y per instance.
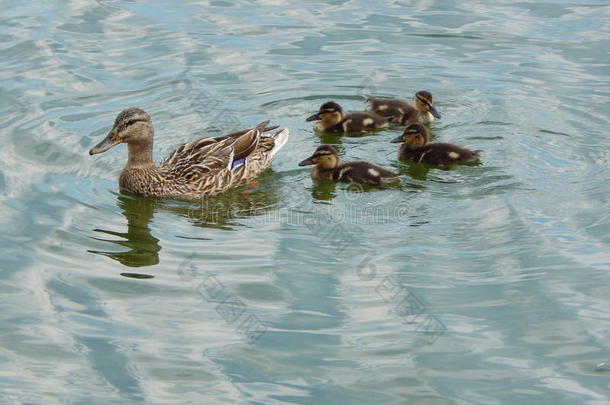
(424, 101)
(320, 156)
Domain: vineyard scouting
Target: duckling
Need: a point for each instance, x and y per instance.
(399, 111)
(332, 119)
(415, 147)
(328, 166)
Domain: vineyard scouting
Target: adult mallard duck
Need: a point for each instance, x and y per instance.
(195, 169)
(399, 111)
(332, 119)
(415, 148)
(328, 166)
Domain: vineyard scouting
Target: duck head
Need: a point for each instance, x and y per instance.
(325, 157)
(424, 103)
(132, 126)
(330, 113)
(414, 137)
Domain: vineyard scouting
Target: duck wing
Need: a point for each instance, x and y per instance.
(363, 173)
(209, 155)
(396, 110)
(445, 154)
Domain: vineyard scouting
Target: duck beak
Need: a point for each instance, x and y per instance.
(398, 139)
(108, 142)
(434, 112)
(315, 117)
(307, 162)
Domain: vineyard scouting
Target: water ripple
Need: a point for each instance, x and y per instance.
(503, 265)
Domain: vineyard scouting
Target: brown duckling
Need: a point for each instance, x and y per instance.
(415, 148)
(332, 119)
(328, 166)
(399, 111)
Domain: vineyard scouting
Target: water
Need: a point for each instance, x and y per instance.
(484, 284)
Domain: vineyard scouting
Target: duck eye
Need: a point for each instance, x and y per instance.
(424, 101)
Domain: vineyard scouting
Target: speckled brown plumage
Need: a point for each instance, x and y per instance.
(195, 169)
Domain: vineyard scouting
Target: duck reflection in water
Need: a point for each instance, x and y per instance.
(143, 247)
(217, 212)
(416, 171)
(323, 190)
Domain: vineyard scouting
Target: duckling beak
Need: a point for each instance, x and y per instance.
(109, 141)
(315, 117)
(307, 162)
(398, 139)
(434, 112)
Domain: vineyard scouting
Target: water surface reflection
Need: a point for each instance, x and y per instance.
(217, 212)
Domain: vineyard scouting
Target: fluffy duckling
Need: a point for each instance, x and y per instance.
(415, 147)
(332, 119)
(399, 111)
(328, 166)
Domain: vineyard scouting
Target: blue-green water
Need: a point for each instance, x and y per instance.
(484, 284)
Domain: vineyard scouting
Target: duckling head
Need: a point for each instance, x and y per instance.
(325, 157)
(132, 126)
(424, 101)
(414, 137)
(330, 113)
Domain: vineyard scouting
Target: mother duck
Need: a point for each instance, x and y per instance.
(195, 169)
